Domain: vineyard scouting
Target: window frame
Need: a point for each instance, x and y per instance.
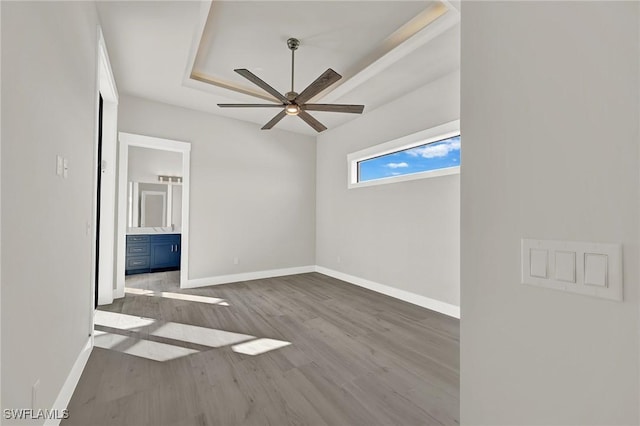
(431, 135)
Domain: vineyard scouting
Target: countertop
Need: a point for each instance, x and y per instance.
(154, 230)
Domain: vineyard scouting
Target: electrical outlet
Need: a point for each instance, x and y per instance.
(34, 394)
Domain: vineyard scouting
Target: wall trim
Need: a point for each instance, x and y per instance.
(118, 293)
(69, 386)
(105, 87)
(416, 299)
(246, 276)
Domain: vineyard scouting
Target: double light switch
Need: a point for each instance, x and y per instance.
(592, 269)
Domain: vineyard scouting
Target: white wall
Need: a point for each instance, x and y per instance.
(549, 117)
(49, 107)
(0, 212)
(404, 235)
(176, 205)
(252, 191)
(145, 164)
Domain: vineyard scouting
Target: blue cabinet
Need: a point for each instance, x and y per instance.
(165, 252)
(152, 253)
(137, 260)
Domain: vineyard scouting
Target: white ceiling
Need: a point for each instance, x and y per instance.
(154, 48)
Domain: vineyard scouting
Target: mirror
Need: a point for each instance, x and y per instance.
(154, 205)
(154, 190)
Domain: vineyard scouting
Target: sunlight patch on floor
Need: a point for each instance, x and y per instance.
(121, 321)
(204, 336)
(155, 351)
(259, 346)
(211, 337)
(138, 345)
(176, 296)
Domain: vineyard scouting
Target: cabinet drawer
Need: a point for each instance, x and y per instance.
(135, 262)
(137, 238)
(137, 249)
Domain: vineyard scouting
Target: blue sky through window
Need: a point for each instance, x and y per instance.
(432, 156)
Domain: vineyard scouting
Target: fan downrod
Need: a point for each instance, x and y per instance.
(293, 44)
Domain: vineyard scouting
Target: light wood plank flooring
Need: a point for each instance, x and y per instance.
(352, 357)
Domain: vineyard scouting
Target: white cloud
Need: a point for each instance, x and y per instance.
(436, 150)
(397, 165)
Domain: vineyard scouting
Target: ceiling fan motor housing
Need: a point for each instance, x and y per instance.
(291, 96)
(293, 43)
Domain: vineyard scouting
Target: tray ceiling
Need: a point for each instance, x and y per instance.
(184, 53)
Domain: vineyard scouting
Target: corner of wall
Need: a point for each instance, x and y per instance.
(353, 226)
(1, 4)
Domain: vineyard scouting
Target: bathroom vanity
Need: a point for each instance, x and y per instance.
(152, 251)
(154, 218)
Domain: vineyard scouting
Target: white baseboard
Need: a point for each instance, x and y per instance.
(246, 276)
(416, 299)
(62, 401)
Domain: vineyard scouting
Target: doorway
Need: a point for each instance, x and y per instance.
(153, 207)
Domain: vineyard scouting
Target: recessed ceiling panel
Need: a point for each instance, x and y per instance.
(344, 36)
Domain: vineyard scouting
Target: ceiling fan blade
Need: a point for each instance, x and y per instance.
(259, 82)
(325, 80)
(317, 126)
(353, 109)
(251, 105)
(274, 120)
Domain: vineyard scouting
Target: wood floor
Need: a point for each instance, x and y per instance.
(352, 357)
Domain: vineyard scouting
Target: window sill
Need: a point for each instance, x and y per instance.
(403, 178)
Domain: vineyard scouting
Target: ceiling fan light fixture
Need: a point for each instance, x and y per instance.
(292, 109)
(295, 104)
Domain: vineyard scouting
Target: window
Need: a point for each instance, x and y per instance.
(430, 153)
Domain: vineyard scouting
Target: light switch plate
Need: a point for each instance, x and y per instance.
(591, 269)
(538, 263)
(595, 269)
(565, 262)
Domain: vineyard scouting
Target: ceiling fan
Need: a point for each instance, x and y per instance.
(293, 103)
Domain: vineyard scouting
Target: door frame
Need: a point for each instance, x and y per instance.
(105, 87)
(184, 148)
